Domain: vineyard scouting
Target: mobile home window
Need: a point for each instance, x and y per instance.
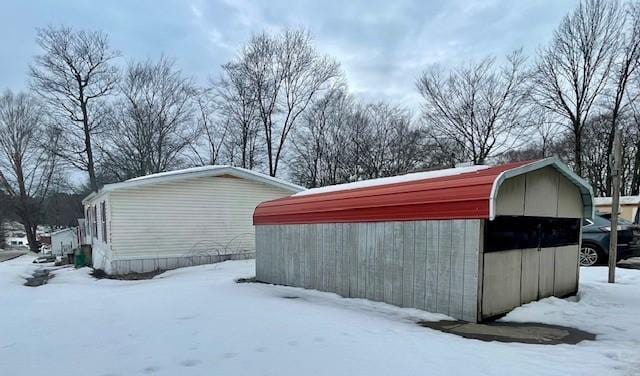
(103, 214)
(87, 222)
(94, 219)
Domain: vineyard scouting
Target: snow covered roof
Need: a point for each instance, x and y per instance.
(458, 193)
(394, 179)
(197, 172)
(63, 231)
(624, 200)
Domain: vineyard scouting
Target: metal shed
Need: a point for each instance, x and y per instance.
(472, 242)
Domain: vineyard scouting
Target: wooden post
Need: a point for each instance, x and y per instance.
(615, 203)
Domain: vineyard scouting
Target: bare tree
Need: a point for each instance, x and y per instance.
(319, 150)
(286, 73)
(214, 130)
(73, 74)
(625, 65)
(154, 122)
(27, 164)
(477, 106)
(238, 109)
(572, 71)
(342, 141)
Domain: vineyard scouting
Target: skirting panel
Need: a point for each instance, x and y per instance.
(119, 267)
(430, 265)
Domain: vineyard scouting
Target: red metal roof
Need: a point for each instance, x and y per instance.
(461, 196)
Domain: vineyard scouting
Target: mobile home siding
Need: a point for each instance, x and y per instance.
(101, 250)
(188, 218)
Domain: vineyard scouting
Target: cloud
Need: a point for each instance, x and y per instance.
(382, 46)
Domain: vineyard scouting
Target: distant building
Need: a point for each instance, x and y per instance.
(180, 218)
(64, 242)
(628, 207)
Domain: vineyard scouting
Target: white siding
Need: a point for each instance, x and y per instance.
(65, 239)
(192, 217)
(101, 250)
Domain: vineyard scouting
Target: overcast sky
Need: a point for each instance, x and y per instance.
(382, 45)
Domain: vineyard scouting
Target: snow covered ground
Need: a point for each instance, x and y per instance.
(198, 321)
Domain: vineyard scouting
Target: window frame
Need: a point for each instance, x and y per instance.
(103, 219)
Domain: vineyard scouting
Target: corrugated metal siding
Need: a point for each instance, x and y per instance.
(463, 196)
(200, 216)
(430, 265)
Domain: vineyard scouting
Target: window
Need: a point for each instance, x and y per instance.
(94, 219)
(504, 233)
(87, 222)
(103, 216)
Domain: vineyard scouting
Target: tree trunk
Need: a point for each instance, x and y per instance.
(87, 144)
(577, 148)
(32, 238)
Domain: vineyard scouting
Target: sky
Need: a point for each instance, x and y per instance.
(382, 45)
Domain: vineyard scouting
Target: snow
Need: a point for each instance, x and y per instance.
(394, 179)
(180, 172)
(198, 321)
(624, 200)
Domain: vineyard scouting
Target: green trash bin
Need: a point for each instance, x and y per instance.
(79, 260)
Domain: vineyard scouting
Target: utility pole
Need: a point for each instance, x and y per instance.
(615, 203)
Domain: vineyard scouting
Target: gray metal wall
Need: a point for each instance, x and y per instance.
(515, 277)
(430, 265)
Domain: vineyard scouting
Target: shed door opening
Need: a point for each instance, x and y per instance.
(526, 259)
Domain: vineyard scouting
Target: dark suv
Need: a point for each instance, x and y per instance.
(595, 240)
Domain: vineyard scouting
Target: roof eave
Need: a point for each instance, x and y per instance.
(224, 170)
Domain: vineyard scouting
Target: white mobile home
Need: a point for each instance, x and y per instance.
(181, 218)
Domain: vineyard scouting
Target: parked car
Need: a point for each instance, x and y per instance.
(595, 240)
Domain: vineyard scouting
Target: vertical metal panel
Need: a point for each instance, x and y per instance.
(408, 263)
(541, 192)
(307, 243)
(501, 284)
(420, 265)
(530, 274)
(397, 263)
(370, 258)
(470, 270)
(379, 261)
(510, 198)
(569, 199)
(362, 260)
(342, 262)
(260, 253)
(322, 258)
(433, 250)
(297, 261)
(456, 288)
(547, 272)
(444, 267)
(287, 254)
(566, 265)
(387, 289)
(350, 241)
(330, 250)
